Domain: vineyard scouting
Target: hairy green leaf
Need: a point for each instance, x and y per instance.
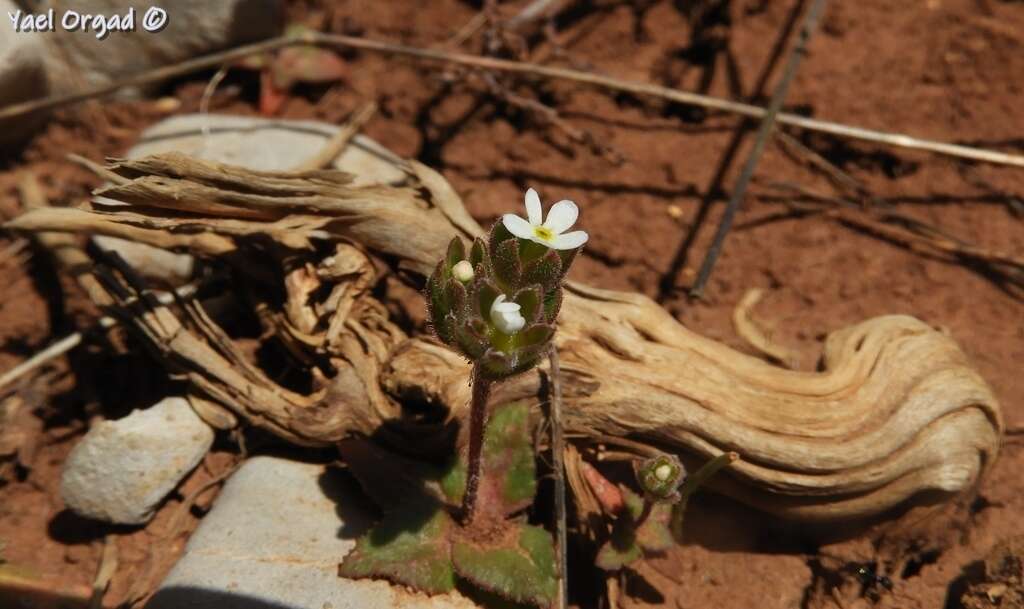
(410, 546)
(524, 573)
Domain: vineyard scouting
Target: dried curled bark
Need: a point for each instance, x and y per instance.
(896, 413)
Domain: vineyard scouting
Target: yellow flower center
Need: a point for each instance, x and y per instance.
(544, 233)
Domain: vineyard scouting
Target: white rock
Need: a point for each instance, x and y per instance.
(22, 74)
(274, 539)
(193, 27)
(121, 470)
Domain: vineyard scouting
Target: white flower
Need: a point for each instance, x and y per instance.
(505, 315)
(463, 271)
(561, 216)
(663, 472)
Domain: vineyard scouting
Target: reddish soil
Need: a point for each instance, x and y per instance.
(944, 69)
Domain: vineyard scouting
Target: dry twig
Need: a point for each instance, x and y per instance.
(596, 80)
(810, 23)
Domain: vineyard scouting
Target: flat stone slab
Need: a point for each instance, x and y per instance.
(266, 145)
(273, 540)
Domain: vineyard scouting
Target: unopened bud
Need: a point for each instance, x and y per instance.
(463, 271)
(659, 477)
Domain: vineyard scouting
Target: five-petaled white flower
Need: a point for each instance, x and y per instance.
(505, 315)
(561, 216)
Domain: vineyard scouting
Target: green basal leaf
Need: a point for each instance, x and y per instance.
(509, 462)
(509, 480)
(410, 546)
(524, 573)
(453, 481)
(654, 534)
(619, 551)
(529, 300)
(507, 268)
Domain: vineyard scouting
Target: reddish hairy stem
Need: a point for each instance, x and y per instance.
(477, 424)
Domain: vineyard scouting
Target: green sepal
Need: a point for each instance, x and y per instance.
(567, 257)
(535, 335)
(437, 301)
(456, 254)
(507, 268)
(499, 234)
(456, 297)
(552, 304)
(546, 271)
(529, 300)
(525, 572)
(485, 293)
(478, 255)
(471, 336)
(410, 546)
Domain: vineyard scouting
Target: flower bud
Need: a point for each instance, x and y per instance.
(660, 477)
(463, 271)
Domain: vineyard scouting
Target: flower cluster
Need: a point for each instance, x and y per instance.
(497, 303)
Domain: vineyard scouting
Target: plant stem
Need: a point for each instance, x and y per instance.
(477, 424)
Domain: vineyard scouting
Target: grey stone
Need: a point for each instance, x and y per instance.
(121, 470)
(265, 144)
(22, 74)
(274, 539)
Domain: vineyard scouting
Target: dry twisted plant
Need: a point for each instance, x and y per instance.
(896, 413)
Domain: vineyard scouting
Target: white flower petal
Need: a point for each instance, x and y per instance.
(505, 316)
(561, 216)
(570, 241)
(517, 226)
(534, 213)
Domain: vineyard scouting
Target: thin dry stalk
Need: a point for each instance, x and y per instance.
(440, 55)
(558, 471)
